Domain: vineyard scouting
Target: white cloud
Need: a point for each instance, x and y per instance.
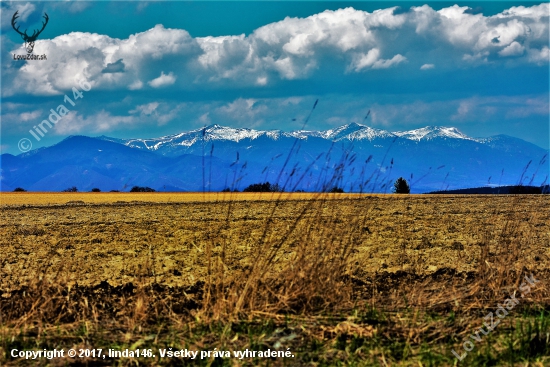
(534, 12)
(29, 116)
(80, 55)
(504, 33)
(138, 84)
(146, 109)
(163, 80)
(427, 66)
(541, 56)
(457, 27)
(384, 64)
(513, 49)
(372, 60)
(479, 36)
(348, 40)
(366, 60)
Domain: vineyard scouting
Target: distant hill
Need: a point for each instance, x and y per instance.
(499, 190)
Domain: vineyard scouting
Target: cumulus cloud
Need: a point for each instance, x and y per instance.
(513, 49)
(427, 66)
(80, 55)
(347, 40)
(163, 80)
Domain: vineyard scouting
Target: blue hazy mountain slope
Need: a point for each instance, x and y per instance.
(353, 156)
(91, 162)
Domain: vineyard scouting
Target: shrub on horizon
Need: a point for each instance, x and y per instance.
(142, 189)
(521, 190)
(263, 187)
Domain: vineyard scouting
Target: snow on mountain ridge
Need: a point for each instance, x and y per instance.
(212, 132)
(430, 132)
(352, 131)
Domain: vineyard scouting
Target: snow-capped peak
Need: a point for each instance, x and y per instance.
(431, 132)
(217, 132)
(355, 131)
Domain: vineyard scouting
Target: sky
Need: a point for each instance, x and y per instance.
(150, 69)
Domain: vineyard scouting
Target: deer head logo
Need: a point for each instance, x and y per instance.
(29, 40)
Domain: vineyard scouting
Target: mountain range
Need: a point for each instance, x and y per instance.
(355, 157)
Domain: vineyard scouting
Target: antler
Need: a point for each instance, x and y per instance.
(34, 34)
(13, 19)
(24, 35)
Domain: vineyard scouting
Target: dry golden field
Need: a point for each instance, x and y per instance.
(237, 257)
(62, 198)
(88, 242)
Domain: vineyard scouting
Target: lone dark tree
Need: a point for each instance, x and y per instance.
(336, 190)
(401, 186)
(263, 187)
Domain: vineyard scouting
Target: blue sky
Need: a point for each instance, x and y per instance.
(158, 68)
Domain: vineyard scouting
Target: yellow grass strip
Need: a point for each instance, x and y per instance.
(60, 198)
